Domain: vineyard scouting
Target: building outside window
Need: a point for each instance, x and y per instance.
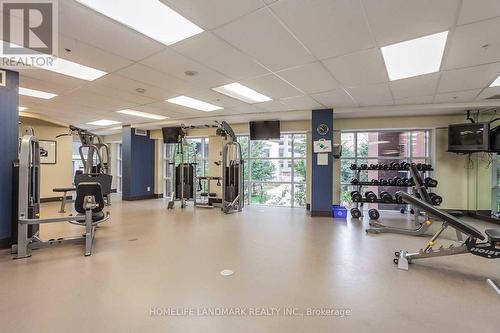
(275, 170)
(378, 147)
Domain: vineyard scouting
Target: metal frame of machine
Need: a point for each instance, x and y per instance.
(28, 223)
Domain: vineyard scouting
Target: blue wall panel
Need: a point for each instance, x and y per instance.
(322, 176)
(138, 158)
(9, 139)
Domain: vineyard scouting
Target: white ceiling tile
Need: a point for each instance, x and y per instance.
(328, 28)
(335, 98)
(134, 98)
(303, 102)
(415, 100)
(393, 21)
(151, 76)
(81, 23)
(488, 93)
(88, 55)
(311, 78)
(175, 64)
(47, 81)
(468, 78)
(125, 84)
(361, 68)
(457, 96)
(272, 106)
(261, 36)
(213, 13)
(216, 53)
(474, 44)
(474, 10)
(271, 86)
(378, 94)
(423, 85)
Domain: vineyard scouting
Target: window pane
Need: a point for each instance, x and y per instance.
(272, 148)
(300, 171)
(299, 145)
(347, 140)
(272, 170)
(244, 142)
(419, 144)
(271, 194)
(299, 195)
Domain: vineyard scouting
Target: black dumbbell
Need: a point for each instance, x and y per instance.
(364, 167)
(380, 166)
(356, 196)
(382, 182)
(429, 182)
(395, 166)
(372, 167)
(355, 213)
(385, 167)
(354, 181)
(405, 166)
(436, 199)
(419, 166)
(429, 167)
(411, 182)
(399, 199)
(386, 197)
(401, 182)
(375, 182)
(371, 196)
(354, 167)
(373, 214)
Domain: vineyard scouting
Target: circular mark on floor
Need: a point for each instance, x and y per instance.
(226, 272)
(133, 239)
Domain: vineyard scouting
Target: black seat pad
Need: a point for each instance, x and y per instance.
(493, 234)
(96, 217)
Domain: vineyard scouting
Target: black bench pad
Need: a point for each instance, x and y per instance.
(493, 234)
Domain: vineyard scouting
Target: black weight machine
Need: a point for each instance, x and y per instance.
(96, 159)
(89, 205)
(185, 173)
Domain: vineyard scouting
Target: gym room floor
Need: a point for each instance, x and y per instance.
(147, 257)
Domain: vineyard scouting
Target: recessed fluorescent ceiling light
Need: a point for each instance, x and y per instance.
(22, 108)
(245, 94)
(142, 114)
(36, 93)
(103, 122)
(54, 64)
(149, 17)
(415, 57)
(496, 83)
(193, 103)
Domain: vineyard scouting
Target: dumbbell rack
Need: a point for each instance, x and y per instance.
(359, 186)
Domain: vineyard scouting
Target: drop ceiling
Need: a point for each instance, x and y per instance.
(304, 54)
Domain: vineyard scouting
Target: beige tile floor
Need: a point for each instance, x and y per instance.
(147, 258)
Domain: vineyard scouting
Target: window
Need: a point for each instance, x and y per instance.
(119, 169)
(377, 148)
(275, 170)
(76, 159)
(195, 151)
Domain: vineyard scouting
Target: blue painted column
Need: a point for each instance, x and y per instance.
(322, 175)
(9, 142)
(138, 165)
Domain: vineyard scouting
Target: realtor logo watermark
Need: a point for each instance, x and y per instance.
(249, 312)
(29, 33)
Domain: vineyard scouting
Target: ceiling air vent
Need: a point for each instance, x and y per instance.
(141, 132)
(494, 97)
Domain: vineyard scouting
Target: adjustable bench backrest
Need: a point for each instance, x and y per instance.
(419, 184)
(89, 189)
(442, 215)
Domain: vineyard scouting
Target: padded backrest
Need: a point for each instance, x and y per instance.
(420, 183)
(89, 189)
(103, 180)
(443, 216)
